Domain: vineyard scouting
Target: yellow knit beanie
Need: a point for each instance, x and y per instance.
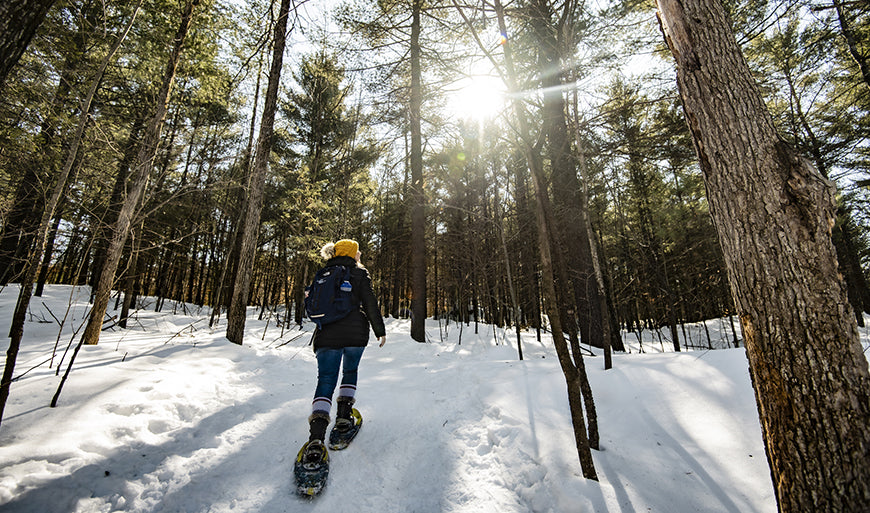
(346, 247)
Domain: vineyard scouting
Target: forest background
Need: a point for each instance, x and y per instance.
(213, 178)
(340, 160)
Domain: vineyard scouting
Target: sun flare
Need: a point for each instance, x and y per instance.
(477, 97)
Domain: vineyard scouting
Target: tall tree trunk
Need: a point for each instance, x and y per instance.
(49, 249)
(73, 245)
(299, 290)
(130, 279)
(845, 237)
(606, 334)
(58, 215)
(19, 20)
(567, 199)
(515, 304)
(250, 228)
(116, 200)
(237, 209)
(285, 281)
(544, 217)
(851, 42)
(527, 269)
(144, 164)
(572, 256)
(418, 213)
(16, 330)
(773, 212)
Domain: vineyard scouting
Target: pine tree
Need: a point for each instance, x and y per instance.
(401, 22)
(142, 170)
(250, 229)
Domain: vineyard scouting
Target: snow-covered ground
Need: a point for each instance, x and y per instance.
(170, 416)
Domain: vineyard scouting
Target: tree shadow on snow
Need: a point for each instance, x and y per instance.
(671, 449)
(133, 474)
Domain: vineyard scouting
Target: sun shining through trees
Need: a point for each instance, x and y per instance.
(392, 123)
(477, 97)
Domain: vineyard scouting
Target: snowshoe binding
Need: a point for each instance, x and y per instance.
(345, 430)
(311, 469)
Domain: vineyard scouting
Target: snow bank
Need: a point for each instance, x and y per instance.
(170, 416)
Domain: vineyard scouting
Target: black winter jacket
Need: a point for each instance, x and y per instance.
(353, 330)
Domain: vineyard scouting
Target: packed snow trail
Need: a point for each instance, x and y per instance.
(152, 420)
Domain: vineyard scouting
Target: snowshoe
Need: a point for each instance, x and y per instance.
(344, 431)
(311, 469)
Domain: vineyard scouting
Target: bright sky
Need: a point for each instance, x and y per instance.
(477, 97)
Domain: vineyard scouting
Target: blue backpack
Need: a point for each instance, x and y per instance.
(329, 298)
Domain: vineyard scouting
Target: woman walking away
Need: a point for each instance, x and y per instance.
(340, 344)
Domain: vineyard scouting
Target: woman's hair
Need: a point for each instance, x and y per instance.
(328, 250)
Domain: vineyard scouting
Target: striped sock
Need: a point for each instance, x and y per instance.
(323, 404)
(348, 391)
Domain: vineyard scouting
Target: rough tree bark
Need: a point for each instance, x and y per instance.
(773, 212)
(250, 228)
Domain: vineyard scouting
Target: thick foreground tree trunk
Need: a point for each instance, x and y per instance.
(774, 212)
(250, 229)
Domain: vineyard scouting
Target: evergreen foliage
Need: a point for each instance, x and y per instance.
(339, 163)
(365, 146)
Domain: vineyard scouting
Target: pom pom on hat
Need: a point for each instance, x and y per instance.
(346, 247)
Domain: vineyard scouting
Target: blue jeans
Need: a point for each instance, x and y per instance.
(328, 363)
